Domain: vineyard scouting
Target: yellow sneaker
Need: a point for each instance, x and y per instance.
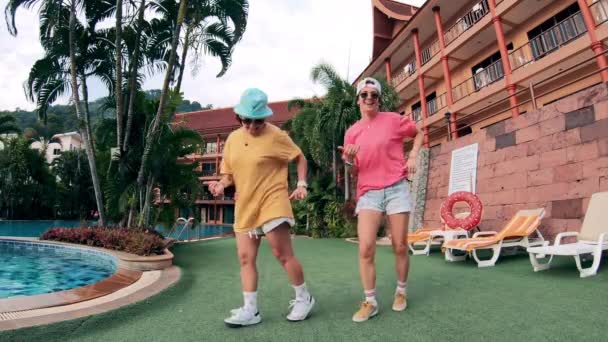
(367, 311)
(400, 302)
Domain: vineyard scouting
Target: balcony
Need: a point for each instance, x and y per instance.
(209, 173)
(478, 11)
(430, 51)
(436, 104)
(417, 114)
(599, 9)
(482, 78)
(549, 41)
(408, 70)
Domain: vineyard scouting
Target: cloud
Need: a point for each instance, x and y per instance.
(283, 41)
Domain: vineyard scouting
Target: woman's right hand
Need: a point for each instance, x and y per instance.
(216, 188)
(349, 152)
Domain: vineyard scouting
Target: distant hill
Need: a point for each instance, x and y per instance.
(61, 118)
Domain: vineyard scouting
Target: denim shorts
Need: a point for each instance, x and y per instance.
(393, 199)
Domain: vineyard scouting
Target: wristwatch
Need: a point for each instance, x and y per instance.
(302, 184)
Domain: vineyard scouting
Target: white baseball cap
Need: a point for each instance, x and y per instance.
(369, 82)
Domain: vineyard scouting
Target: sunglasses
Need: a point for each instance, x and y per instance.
(256, 122)
(373, 96)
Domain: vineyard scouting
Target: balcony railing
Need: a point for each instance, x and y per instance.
(209, 173)
(481, 79)
(417, 114)
(408, 70)
(599, 9)
(478, 11)
(436, 104)
(430, 51)
(548, 41)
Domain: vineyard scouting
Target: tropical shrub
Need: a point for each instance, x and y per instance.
(135, 241)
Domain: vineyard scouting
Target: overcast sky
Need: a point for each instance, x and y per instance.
(283, 41)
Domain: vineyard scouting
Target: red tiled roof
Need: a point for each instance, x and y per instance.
(388, 15)
(398, 7)
(222, 120)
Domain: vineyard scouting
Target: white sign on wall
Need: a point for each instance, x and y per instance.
(463, 170)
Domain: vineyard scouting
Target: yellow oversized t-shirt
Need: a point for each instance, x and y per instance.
(258, 166)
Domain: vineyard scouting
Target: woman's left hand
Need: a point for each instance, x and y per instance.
(299, 193)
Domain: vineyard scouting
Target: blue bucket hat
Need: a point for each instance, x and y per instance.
(253, 105)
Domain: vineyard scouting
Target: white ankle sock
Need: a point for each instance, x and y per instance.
(251, 301)
(370, 297)
(301, 291)
(401, 287)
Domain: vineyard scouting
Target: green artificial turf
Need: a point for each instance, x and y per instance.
(447, 301)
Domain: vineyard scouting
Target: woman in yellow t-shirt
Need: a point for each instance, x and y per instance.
(255, 161)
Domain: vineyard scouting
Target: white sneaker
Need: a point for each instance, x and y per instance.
(241, 318)
(300, 308)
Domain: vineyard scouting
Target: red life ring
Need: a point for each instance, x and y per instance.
(468, 222)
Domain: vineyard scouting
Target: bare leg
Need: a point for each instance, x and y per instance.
(247, 250)
(280, 243)
(398, 224)
(368, 223)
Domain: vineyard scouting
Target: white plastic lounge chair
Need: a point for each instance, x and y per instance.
(592, 239)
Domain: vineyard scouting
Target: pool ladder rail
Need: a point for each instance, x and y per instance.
(185, 225)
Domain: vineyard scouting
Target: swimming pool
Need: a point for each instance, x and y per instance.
(33, 228)
(31, 268)
(200, 231)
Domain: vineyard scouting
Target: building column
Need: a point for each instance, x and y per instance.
(389, 70)
(447, 76)
(217, 156)
(596, 45)
(504, 55)
(425, 129)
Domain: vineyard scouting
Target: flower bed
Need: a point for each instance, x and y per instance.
(134, 241)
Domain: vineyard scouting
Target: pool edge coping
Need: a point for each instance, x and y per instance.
(129, 269)
(149, 284)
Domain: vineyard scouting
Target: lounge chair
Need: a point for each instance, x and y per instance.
(518, 232)
(592, 239)
(428, 237)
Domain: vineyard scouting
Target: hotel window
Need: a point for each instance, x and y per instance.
(56, 152)
(556, 31)
(208, 169)
(489, 70)
(211, 148)
(463, 130)
(430, 104)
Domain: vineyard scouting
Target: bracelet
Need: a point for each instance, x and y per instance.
(302, 183)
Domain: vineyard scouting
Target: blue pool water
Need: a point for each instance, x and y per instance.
(36, 268)
(32, 228)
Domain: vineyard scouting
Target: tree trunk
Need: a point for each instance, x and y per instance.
(144, 221)
(87, 112)
(83, 130)
(133, 77)
(118, 87)
(155, 125)
(183, 62)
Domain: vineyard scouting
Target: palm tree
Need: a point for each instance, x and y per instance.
(322, 123)
(227, 6)
(118, 69)
(49, 76)
(213, 28)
